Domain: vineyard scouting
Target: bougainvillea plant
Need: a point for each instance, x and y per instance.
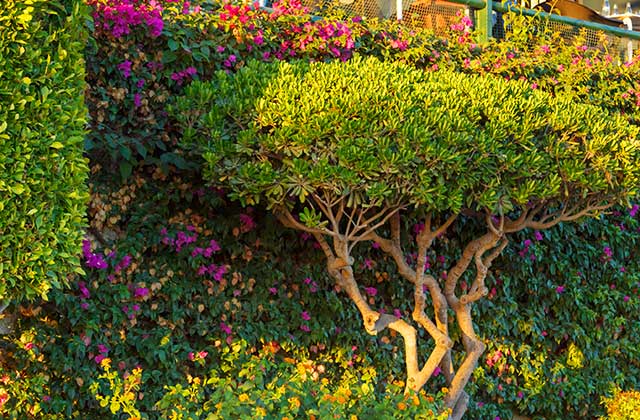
(356, 152)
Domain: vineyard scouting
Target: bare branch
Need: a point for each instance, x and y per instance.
(324, 208)
(286, 218)
(372, 229)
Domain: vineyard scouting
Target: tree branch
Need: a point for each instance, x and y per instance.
(286, 218)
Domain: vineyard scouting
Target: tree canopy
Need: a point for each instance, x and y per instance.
(342, 150)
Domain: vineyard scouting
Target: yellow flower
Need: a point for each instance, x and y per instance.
(416, 400)
(353, 417)
(105, 363)
(445, 390)
(295, 402)
(261, 412)
(243, 397)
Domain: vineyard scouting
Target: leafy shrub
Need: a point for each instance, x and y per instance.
(623, 405)
(42, 170)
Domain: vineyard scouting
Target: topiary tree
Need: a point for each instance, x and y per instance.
(348, 151)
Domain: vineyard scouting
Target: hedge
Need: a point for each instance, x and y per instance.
(42, 169)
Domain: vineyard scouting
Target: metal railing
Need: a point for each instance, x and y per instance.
(437, 15)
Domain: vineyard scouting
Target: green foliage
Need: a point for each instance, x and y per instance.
(42, 170)
(384, 133)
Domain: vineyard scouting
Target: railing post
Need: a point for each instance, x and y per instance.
(484, 22)
(399, 9)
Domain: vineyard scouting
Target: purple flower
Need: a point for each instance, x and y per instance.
(436, 371)
(305, 315)
(225, 328)
(626, 298)
(137, 100)
(634, 210)
(520, 394)
(125, 68)
(140, 292)
(538, 235)
(84, 292)
(84, 305)
(273, 290)
(371, 291)
(140, 83)
(560, 289)
(103, 349)
(305, 328)
(99, 358)
(607, 251)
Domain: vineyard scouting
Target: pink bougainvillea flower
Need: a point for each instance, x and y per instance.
(125, 68)
(225, 328)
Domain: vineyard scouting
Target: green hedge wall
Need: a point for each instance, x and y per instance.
(42, 120)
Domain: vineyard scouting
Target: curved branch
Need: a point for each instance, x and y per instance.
(373, 228)
(286, 218)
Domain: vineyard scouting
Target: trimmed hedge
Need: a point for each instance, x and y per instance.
(42, 169)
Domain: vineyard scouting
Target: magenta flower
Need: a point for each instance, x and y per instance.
(305, 328)
(538, 235)
(137, 100)
(634, 210)
(140, 292)
(560, 289)
(371, 291)
(436, 371)
(246, 220)
(273, 290)
(103, 349)
(626, 298)
(305, 315)
(225, 328)
(84, 292)
(125, 68)
(607, 251)
(99, 358)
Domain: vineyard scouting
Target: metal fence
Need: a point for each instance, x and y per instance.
(438, 15)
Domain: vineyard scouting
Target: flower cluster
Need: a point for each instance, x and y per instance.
(121, 17)
(91, 259)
